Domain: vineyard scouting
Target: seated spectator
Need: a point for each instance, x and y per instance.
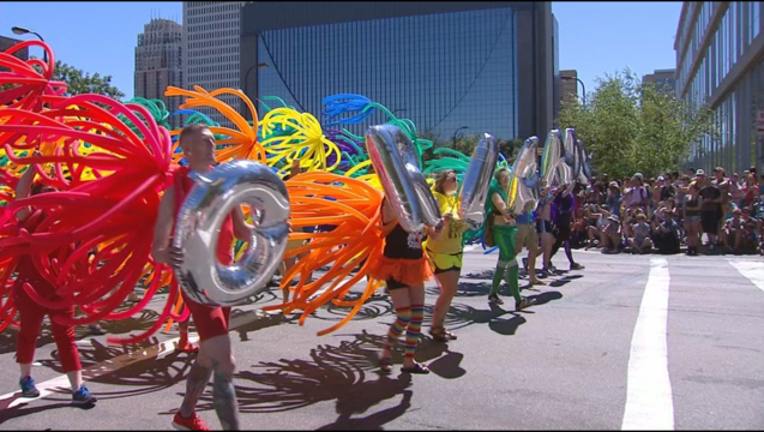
(667, 233)
(732, 233)
(629, 219)
(579, 228)
(640, 242)
(610, 239)
(597, 222)
(613, 200)
(752, 233)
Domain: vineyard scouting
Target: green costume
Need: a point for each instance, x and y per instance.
(504, 238)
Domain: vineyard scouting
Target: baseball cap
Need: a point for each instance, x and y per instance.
(700, 172)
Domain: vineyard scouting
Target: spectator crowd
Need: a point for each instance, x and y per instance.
(708, 214)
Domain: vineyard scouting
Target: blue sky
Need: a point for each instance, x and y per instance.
(595, 38)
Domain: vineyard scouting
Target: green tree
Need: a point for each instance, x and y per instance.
(630, 126)
(79, 82)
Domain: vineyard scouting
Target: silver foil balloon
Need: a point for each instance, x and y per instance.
(214, 195)
(477, 180)
(552, 157)
(525, 171)
(572, 155)
(390, 153)
(586, 167)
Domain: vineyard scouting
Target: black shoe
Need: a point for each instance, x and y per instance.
(576, 266)
(495, 299)
(524, 303)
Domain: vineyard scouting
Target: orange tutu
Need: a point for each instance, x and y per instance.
(411, 272)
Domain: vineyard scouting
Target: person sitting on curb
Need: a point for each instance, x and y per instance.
(641, 242)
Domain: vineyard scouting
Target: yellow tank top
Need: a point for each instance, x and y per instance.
(451, 240)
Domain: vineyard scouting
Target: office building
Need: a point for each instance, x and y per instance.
(158, 64)
(568, 86)
(720, 62)
(664, 79)
(211, 48)
(489, 66)
(6, 42)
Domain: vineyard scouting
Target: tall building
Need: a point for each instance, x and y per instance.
(211, 48)
(664, 79)
(158, 64)
(444, 65)
(6, 42)
(568, 86)
(720, 62)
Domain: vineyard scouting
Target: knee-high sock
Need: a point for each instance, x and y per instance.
(414, 329)
(512, 279)
(498, 274)
(400, 324)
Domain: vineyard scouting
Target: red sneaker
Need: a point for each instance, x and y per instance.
(193, 423)
(186, 347)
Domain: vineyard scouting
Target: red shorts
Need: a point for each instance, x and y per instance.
(210, 321)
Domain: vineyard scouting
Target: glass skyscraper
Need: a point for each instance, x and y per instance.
(719, 47)
(443, 65)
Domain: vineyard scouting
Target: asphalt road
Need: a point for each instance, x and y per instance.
(573, 361)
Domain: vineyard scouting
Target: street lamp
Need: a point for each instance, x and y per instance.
(259, 66)
(456, 132)
(582, 85)
(23, 30)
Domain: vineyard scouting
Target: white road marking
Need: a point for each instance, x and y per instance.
(649, 403)
(61, 383)
(752, 270)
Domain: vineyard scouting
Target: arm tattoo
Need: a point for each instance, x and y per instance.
(195, 383)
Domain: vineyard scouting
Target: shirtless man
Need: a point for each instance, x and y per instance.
(215, 351)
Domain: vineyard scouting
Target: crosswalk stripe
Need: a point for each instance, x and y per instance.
(649, 401)
(752, 270)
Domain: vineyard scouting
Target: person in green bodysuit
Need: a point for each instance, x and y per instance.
(503, 232)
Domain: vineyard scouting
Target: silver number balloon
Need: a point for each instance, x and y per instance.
(390, 154)
(586, 168)
(553, 154)
(572, 155)
(202, 277)
(477, 179)
(524, 171)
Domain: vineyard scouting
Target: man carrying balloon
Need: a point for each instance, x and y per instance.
(215, 351)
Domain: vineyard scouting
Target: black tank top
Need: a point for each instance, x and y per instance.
(400, 244)
(692, 203)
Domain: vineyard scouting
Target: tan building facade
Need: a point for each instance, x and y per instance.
(6, 42)
(568, 86)
(159, 64)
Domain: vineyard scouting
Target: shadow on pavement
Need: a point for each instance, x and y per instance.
(21, 411)
(546, 297)
(342, 373)
(564, 280)
(461, 316)
(149, 375)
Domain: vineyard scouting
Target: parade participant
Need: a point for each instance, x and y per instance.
(404, 269)
(445, 253)
(526, 236)
(544, 226)
(31, 314)
(288, 263)
(565, 202)
(710, 209)
(504, 229)
(215, 351)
